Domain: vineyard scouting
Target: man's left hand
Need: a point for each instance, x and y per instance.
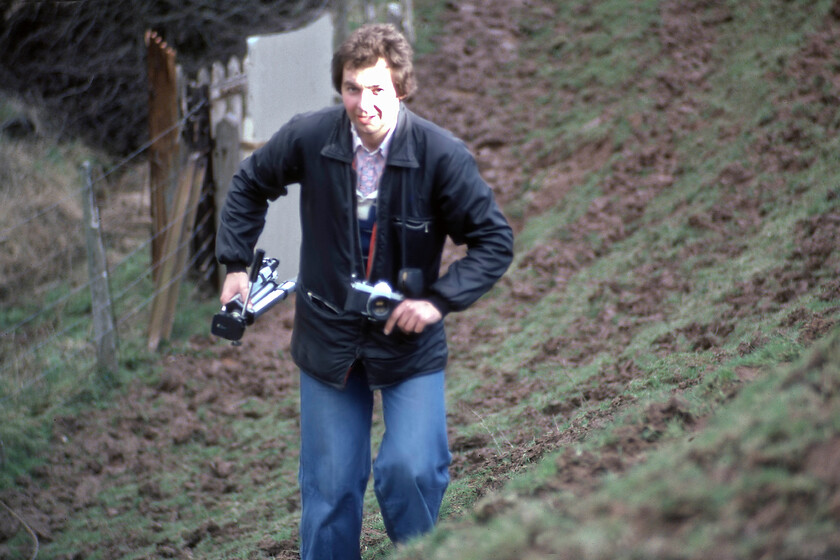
(412, 316)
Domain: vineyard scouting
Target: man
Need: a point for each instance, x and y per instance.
(381, 188)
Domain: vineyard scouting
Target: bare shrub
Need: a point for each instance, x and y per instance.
(85, 62)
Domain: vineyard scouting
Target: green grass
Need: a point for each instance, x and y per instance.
(753, 447)
(741, 96)
(58, 376)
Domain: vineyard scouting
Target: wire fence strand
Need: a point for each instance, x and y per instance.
(51, 314)
(5, 234)
(150, 271)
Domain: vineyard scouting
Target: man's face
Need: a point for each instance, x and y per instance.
(371, 101)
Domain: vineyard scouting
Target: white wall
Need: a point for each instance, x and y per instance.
(288, 73)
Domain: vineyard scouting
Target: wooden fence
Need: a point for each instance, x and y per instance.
(196, 126)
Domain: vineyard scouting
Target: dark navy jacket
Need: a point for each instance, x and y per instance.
(444, 196)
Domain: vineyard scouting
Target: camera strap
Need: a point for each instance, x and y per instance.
(403, 233)
(371, 251)
(403, 241)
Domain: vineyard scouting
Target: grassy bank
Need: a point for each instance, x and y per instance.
(690, 259)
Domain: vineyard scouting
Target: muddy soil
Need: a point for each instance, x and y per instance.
(140, 436)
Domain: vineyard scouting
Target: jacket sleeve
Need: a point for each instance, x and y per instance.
(261, 178)
(472, 217)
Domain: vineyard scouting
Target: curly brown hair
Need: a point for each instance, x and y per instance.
(368, 44)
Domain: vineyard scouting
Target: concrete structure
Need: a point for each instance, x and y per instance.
(288, 73)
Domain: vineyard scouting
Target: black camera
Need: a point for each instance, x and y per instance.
(377, 301)
(265, 292)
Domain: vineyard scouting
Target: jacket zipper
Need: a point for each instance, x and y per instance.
(414, 225)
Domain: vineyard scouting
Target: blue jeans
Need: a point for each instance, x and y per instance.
(411, 471)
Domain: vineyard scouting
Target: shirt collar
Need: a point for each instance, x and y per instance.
(383, 147)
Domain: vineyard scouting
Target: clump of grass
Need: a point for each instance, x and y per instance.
(41, 214)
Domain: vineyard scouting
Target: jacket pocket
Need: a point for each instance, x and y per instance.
(321, 304)
(417, 225)
(420, 245)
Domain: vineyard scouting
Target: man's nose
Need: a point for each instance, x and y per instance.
(368, 102)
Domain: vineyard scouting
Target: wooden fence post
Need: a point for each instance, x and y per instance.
(176, 249)
(227, 93)
(163, 118)
(104, 333)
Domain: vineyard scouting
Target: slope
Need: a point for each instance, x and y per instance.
(655, 376)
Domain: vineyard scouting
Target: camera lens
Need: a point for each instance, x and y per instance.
(379, 307)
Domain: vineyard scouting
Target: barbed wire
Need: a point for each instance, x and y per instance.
(43, 310)
(75, 290)
(34, 349)
(166, 286)
(136, 153)
(44, 211)
(31, 351)
(120, 321)
(153, 269)
(5, 233)
(23, 274)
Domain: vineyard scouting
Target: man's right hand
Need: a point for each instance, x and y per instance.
(235, 283)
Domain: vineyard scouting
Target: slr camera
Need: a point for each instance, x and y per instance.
(266, 291)
(377, 301)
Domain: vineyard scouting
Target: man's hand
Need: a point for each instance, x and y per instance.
(235, 283)
(412, 316)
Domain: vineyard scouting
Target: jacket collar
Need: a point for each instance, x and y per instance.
(401, 152)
